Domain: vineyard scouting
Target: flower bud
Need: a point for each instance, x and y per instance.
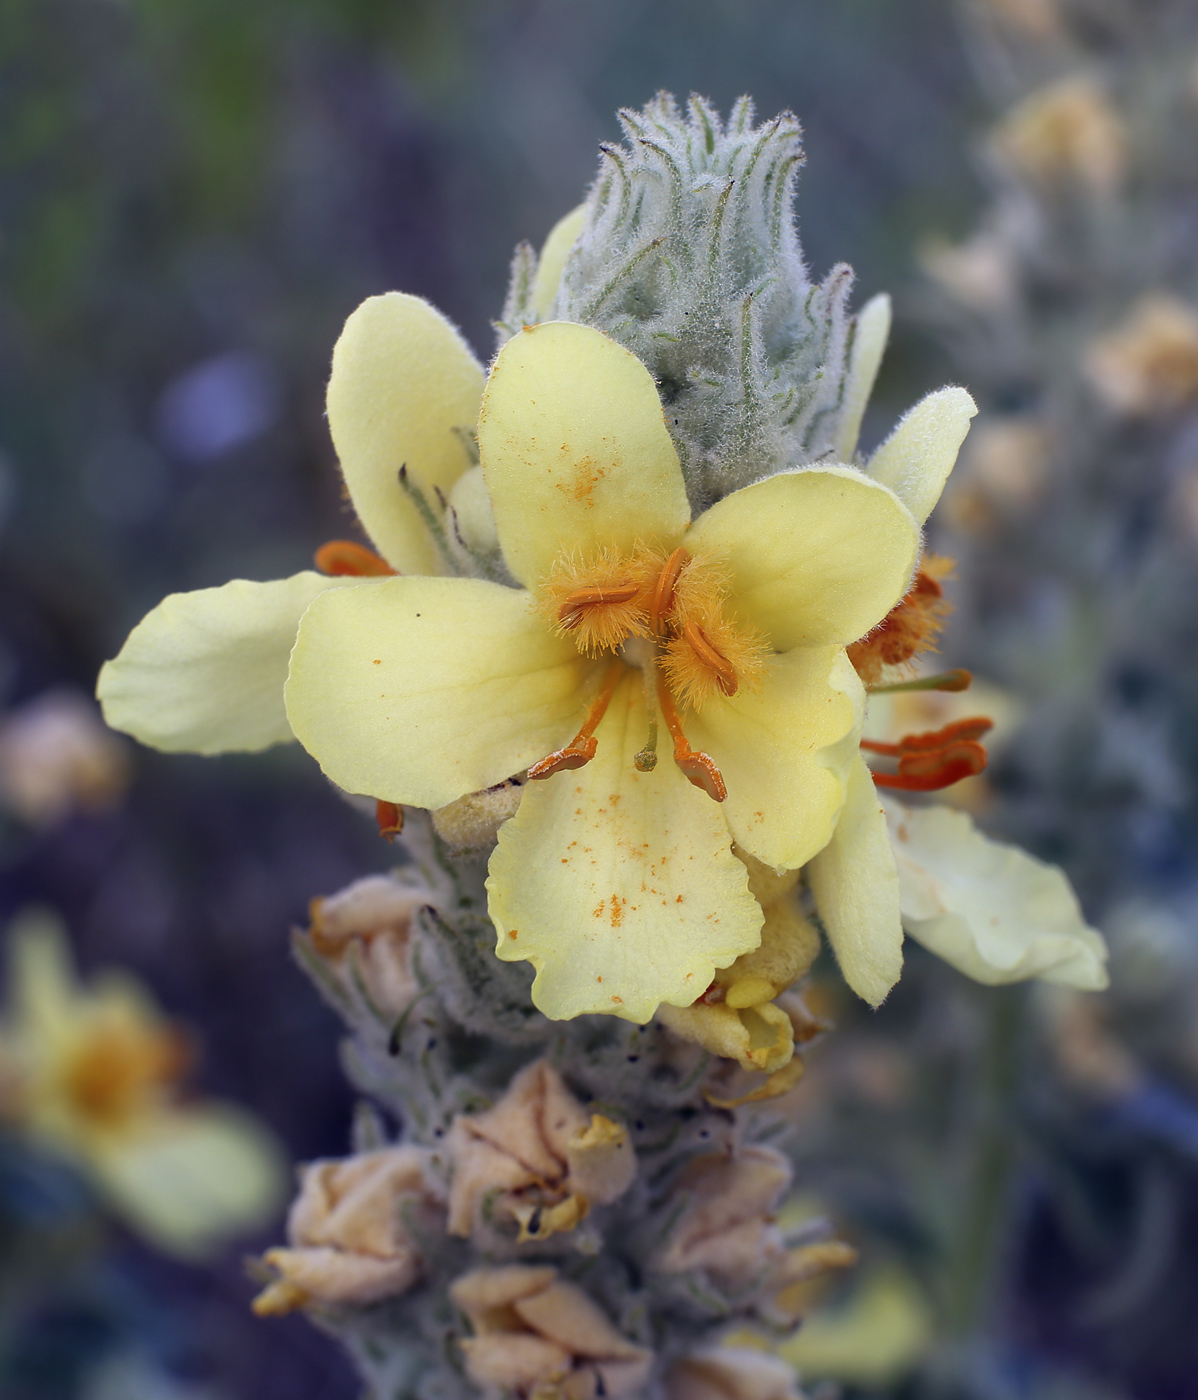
(56, 756)
(369, 922)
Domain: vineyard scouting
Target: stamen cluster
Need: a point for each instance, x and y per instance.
(679, 602)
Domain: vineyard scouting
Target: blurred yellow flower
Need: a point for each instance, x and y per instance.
(94, 1075)
(616, 877)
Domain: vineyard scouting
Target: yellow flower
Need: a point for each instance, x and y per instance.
(616, 877)
(96, 1079)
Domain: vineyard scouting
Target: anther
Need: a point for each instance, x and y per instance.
(646, 760)
(933, 739)
(390, 819)
(582, 748)
(661, 600)
(349, 559)
(698, 767)
(931, 771)
(574, 609)
(725, 675)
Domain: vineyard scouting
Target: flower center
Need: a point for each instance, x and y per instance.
(119, 1070)
(695, 649)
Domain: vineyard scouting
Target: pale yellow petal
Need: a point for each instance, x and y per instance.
(619, 887)
(419, 690)
(856, 891)
(784, 751)
(203, 672)
(870, 332)
(818, 556)
(995, 912)
(190, 1178)
(552, 262)
(916, 458)
(575, 449)
(44, 997)
(404, 391)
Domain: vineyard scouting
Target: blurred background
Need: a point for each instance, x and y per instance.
(194, 194)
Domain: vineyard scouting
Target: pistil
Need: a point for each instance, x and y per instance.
(581, 749)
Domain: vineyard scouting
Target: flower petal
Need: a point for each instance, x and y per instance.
(552, 262)
(204, 671)
(194, 1176)
(404, 390)
(419, 690)
(871, 329)
(619, 887)
(575, 449)
(785, 752)
(856, 891)
(916, 458)
(818, 556)
(993, 911)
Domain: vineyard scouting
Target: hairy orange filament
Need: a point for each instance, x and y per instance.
(697, 766)
(910, 628)
(348, 559)
(581, 749)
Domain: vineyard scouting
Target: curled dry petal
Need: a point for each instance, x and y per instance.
(726, 1228)
(536, 1157)
(732, 1373)
(532, 1328)
(348, 1240)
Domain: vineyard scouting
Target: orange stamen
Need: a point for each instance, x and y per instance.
(929, 772)
(390, 819)
(725, 674)
(573, 610)
(348, 559)
(697, 766)
(933, 739)
(661, 600)
(581, 749)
